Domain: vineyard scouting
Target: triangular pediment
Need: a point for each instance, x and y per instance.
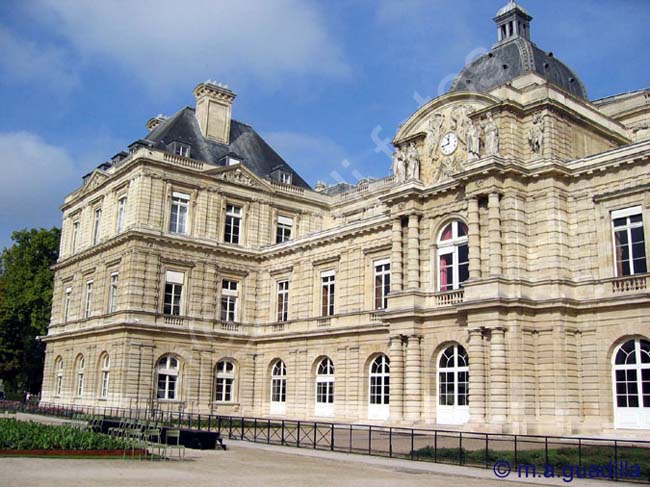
(96, 178)
(238, 174)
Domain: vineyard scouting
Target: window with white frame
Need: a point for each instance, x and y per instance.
(453, 385)
(285, 177)
(379, 388)
(97, 225)
(283, 301)
(232, 231)
(453, 256)
(224, 381)
(181, 149)
(325, 387)
(631, 377)
(75, 236)
(89, 300)
(283, 229)
(66, 303)
(229, 295)
(105, 376)
(58, 367)
(629, 242)
(278, 385)
(327, 293)
(382, 283)
(121, 211)
(173, 293)
(112, 292)
(167, 378)
(179, 211)
(81, 363)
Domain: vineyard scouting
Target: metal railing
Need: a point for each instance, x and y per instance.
(473, 449)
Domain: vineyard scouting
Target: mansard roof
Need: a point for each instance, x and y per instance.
(255, 153)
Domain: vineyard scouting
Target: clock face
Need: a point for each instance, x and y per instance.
(449, 144)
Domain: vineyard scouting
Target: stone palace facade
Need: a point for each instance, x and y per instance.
(497, 281)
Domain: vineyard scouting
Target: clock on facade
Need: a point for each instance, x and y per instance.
(449, 144)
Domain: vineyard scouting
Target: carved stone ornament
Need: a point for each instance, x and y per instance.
(399, 165)
(473, 142)
(491, 136)
(536, 134)
(237, 177)
(412, 162)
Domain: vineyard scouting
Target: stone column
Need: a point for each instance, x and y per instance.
(498, 377)
(396, 257)
(413, 383)
(413, 252)
(477, 391)
(396, 378)
(474, 239)
(494, 230)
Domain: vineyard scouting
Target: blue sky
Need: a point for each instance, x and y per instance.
(321, 81)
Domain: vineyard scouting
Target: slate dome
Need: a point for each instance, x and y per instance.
(515, 55)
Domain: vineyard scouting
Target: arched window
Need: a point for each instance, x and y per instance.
(453, 386)
(167, 371)
(631, 376)
(81, 363)
(453, 256)
(224, 381)
(278, 388)
(105, 363)
(325, 388)
(379, 388)
(58, 367)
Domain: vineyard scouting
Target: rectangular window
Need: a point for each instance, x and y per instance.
(382, 283)
(229, 300)
(112, 293)
(629, 242)
(75, 236)
(80, 384)
(181, 149)
(284, 227)
(121, 209)
(327, 293)
(178, 218)
(66, 304)
(89, 299)
(283, 301)
(285, 177)
(173, 293)
(96, 227)
(233, 224)
(105, 380)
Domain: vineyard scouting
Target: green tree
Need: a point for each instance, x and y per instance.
(25, 303)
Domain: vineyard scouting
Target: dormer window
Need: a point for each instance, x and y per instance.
(285, 177)
(232, 161)
(181, 149)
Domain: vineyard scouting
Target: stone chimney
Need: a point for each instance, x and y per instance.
(213, 110)
(155, 121)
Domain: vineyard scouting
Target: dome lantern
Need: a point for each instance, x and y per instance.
(513, 21)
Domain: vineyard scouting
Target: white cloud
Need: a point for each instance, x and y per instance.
(24, 60)
(35, 178)
(166, 43)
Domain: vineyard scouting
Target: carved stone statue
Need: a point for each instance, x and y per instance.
(399, 165)
(412, 162)
(433, 135)
(473, 141)
(491, 136)
(536, 134)
(460, 121)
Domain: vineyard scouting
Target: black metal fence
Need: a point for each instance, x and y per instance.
(622, 459)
